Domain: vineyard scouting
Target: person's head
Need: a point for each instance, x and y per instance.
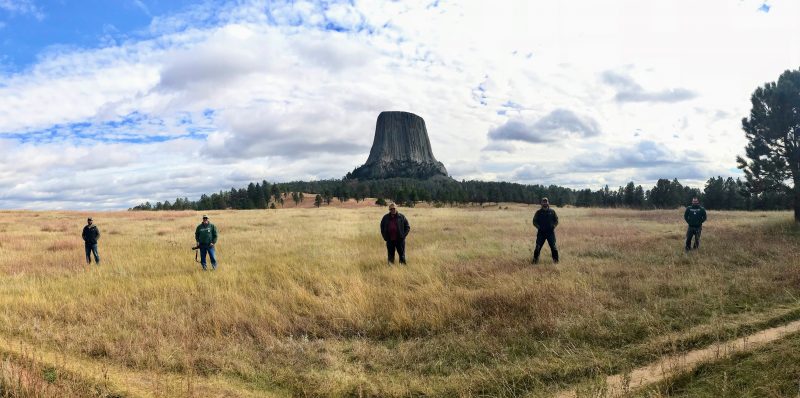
(205, 219)
(695, 201)
(392, 208)
(545, 203)
(89, 221)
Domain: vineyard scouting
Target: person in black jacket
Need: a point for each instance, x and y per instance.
(545, 220)
(395, 228)
(90, 237)
(695, 216)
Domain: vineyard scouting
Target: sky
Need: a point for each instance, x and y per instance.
(108, 104)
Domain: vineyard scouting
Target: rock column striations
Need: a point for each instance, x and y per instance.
(401, 148)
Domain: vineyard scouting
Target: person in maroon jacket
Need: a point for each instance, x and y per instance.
(395, 228)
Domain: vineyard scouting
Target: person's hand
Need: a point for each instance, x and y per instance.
(212, 244)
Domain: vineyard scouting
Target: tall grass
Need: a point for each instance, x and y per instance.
(303, 302)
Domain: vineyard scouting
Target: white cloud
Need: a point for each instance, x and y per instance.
(22, 7)
(630, 91)
(141, 6)
(558, 125)
(283, 91)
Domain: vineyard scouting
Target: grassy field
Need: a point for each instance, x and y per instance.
(304, 304)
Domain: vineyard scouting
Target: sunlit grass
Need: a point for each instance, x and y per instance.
(304, 303)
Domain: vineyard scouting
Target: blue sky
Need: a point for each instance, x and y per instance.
(35, 27)
(106, 104)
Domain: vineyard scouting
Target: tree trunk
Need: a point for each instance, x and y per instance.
(794, 167)
(797, 202)
(796, 178)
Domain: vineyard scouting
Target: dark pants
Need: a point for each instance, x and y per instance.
(211, 253)
(541, 237)
(91, 248)
(400, 246)
(693, 232)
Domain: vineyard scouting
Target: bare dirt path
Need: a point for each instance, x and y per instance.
(666, 367)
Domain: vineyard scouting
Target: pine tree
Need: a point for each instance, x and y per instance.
(773, 132)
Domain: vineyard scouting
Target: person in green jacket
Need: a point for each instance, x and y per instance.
(90, 237)
(695, 216)
(206, 237)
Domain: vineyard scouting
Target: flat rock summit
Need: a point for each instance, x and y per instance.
(401, 148)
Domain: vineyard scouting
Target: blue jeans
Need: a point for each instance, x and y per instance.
(211, 253)
(91, 249)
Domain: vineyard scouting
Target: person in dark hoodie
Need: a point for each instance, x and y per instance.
(545, 220)
(695, 216)
(90, 237)
(394, 229)
(206, 237)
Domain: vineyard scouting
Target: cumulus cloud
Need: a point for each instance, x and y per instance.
(532, 172)
(643, 154)
(289, 132)
(595, 166)
(691, 172)
(499, 146)
(555, 126)
(630, 91)
(230, 53)
(243, 52)
(226, 145)
(69, 176)
(285, 90)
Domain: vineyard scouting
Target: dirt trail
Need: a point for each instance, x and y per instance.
(666, 367)
(129, 382)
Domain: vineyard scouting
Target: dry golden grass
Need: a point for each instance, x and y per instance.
(304, 304)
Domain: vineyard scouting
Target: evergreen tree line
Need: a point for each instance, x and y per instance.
(718, 194)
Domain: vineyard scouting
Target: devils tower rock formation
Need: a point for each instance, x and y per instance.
(401, 148)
